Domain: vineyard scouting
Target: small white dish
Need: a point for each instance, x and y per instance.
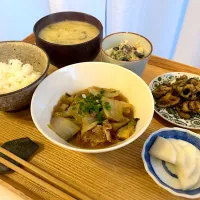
(170, 114)
(115, 39)
(77, 77)
(161, 172)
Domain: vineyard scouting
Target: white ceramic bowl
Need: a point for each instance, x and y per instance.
(76, 77)
(115, 39)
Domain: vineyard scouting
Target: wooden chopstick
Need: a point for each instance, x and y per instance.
(35, 179)
(70, 190)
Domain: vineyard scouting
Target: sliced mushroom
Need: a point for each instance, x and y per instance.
(116, 48)
(82, 35)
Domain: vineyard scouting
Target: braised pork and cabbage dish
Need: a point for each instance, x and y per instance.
(183, 95)
(94, 118)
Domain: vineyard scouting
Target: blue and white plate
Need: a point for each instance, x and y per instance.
(171, 114)
(163, 173)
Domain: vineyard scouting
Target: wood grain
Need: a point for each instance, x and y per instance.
(35, 179)
(114, 175)
(14, 191)
(51, 180)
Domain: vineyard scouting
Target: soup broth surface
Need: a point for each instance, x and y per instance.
(69, 32)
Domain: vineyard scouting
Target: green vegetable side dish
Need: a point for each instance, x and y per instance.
(125, 52)
(93, 118)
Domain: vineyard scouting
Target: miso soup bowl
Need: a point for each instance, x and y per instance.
(62, 55)
(113, 40)
(77, 77)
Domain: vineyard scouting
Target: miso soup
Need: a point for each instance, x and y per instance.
(69, 32)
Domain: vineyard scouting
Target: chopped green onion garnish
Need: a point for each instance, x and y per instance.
(74, 108)
(113, 91)
(102, 91)
(107, 106)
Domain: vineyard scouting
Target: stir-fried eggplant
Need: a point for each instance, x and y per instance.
(183, 95)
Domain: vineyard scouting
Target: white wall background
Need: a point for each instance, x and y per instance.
(162, 21)
(158, 20)
(188, 46)
(92, 7)
(17, 17)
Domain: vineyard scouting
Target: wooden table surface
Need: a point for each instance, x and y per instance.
(118, 175)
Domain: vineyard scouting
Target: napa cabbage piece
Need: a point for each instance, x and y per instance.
(94, 90)
(126, 111)
(64, 127)
(73, 111)
(126, 131)
(110, 93)
(116, 109)
(88, 123)
(69, 100)
(64, 102)
(62, 105)
(60, 114)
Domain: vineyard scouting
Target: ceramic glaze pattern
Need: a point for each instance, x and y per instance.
(19, 100)
(27, 53)
(170, 114)
(158, 170)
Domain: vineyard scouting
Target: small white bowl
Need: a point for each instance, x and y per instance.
(77, 77)
(158, 170)
(115, 39)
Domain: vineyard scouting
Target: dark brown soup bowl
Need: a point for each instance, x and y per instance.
(62, 55)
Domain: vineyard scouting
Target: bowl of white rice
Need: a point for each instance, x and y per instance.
(22, 68)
